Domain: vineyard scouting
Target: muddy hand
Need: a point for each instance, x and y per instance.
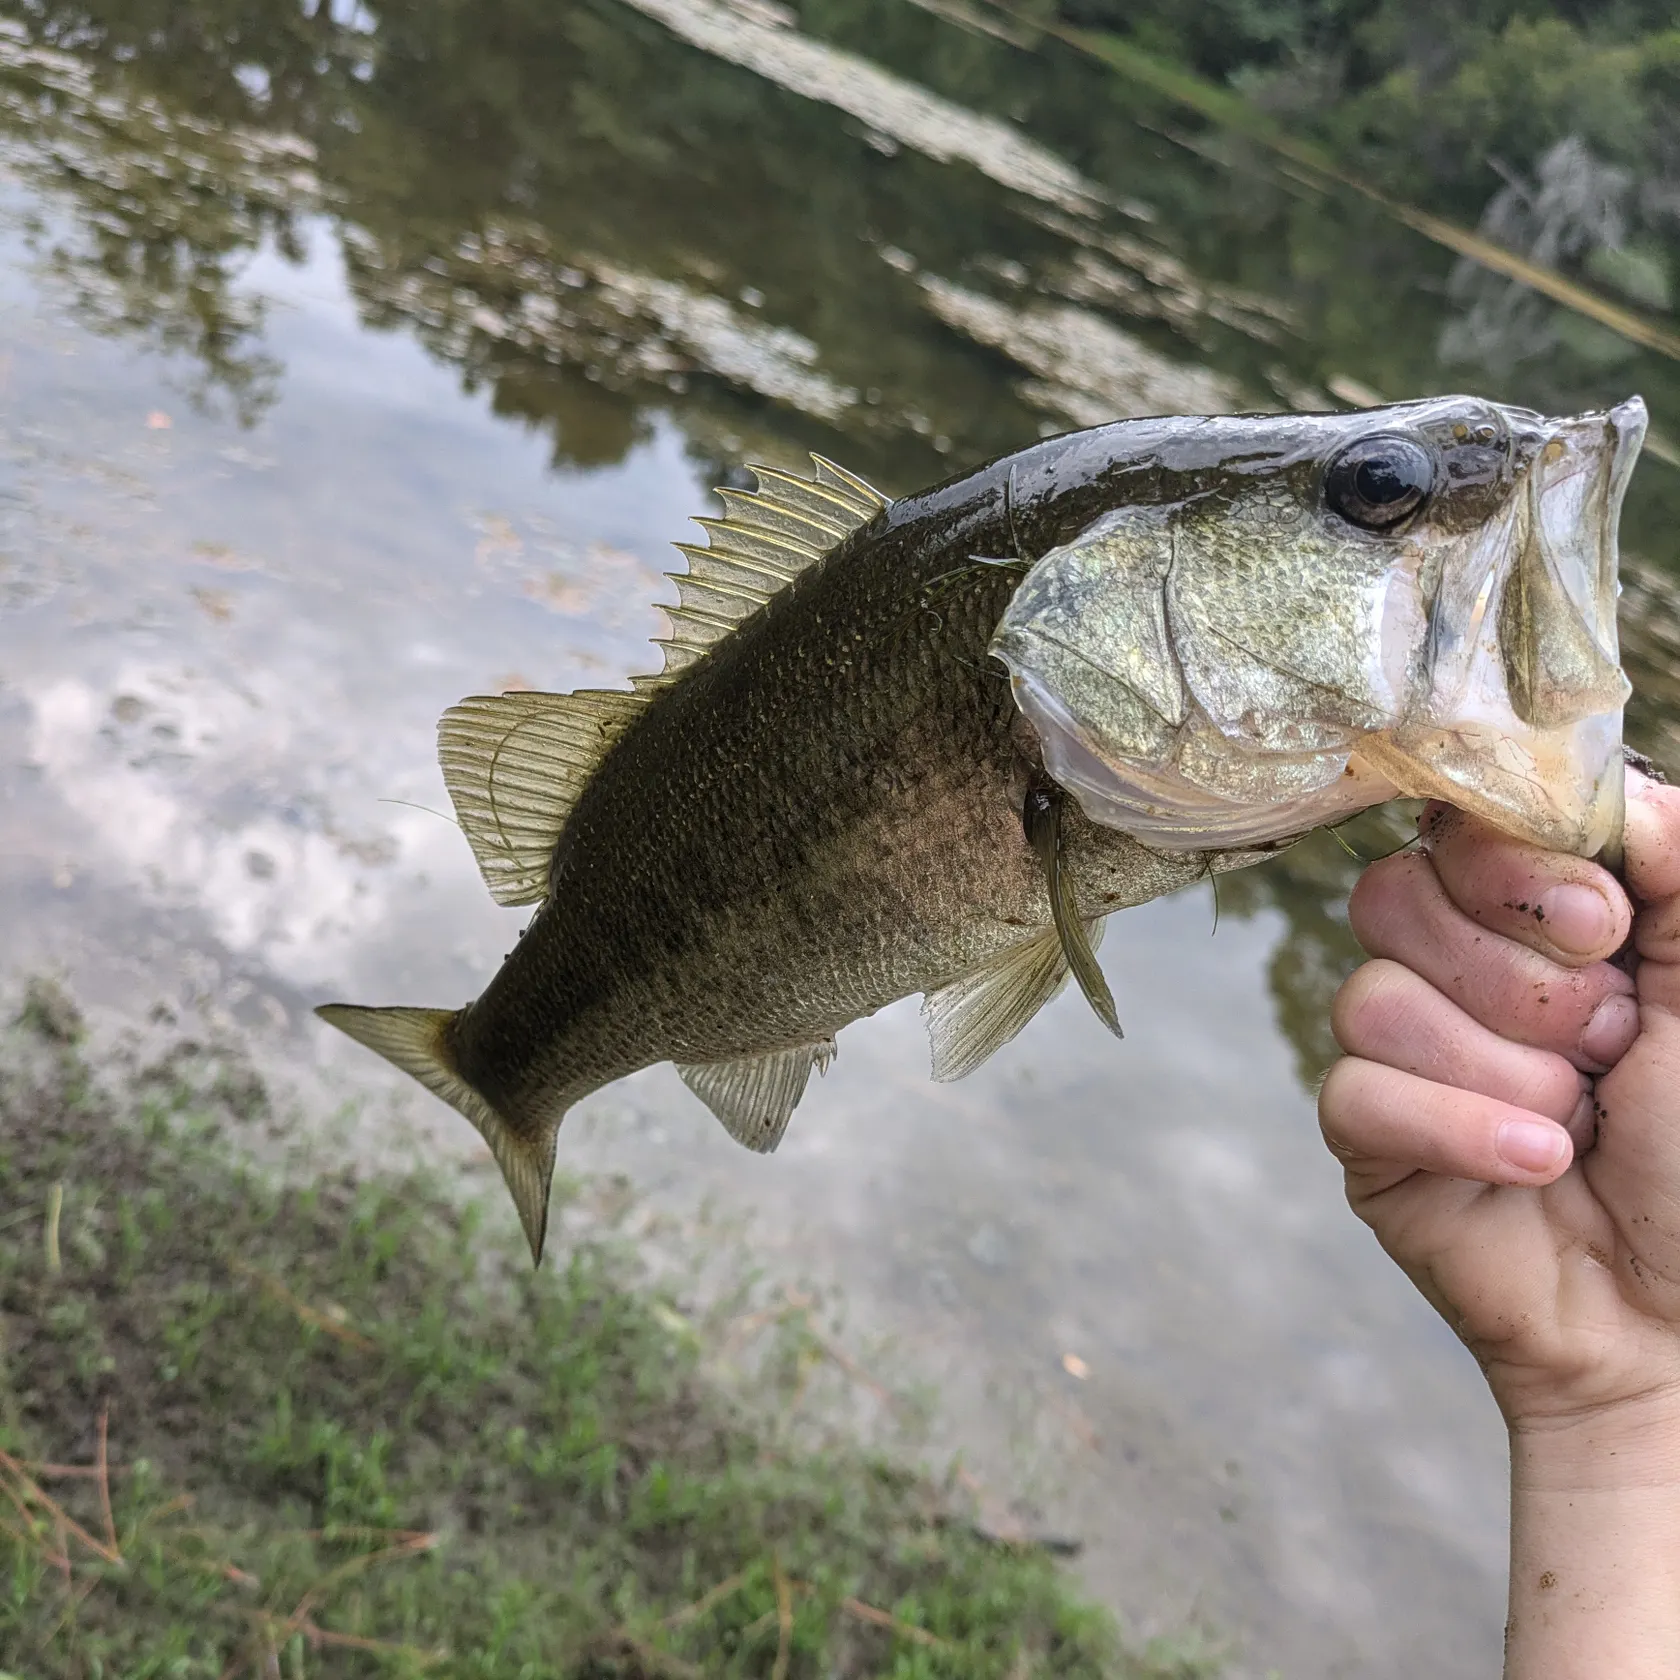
(1508, 1114)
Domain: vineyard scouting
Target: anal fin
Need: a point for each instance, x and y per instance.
(754, 1097)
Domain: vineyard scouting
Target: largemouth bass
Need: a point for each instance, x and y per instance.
(928, 745)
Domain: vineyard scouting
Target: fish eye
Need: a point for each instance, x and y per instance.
(1377, 481)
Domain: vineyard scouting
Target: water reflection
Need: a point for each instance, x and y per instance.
(472, 298)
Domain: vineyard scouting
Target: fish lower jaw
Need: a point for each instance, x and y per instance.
(1167, 812)
(1562, 790)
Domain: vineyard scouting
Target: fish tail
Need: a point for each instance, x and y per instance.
(418, 1041)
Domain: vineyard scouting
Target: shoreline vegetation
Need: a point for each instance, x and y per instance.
(1441, 101)
(339, 1428)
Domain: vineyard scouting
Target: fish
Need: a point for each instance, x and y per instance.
(931, 744)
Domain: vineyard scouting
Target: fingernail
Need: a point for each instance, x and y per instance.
(1576, 918)
(1613, 1027)
(1532, 1145)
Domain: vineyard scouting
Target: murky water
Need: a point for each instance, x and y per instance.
(352, 363)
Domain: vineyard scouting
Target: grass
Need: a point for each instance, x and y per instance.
(339, 1429)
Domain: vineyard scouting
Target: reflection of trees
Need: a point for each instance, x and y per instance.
(1650, 630)
(584, 135)
(169, 206)
(599, 225)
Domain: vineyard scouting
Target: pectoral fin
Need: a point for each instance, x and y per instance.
(754, 1096)
(1041, 817)
(970, 1018)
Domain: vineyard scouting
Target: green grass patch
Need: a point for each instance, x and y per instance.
(339, 1429)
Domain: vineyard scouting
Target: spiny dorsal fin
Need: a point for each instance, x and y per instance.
(754, 1096)
(980, 1012)
(514, 765)
(766, 539)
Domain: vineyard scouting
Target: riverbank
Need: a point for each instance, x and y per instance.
(337, 1428)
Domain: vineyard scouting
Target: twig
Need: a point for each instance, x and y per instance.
(77, 1598)
(854, 1371)
(57, 1472)
(27, 1493)
(784, 1620)
(661, 1662)
(102, 1471)
(885, 1619)
(55, 1207)
(797, 1303)
(419, 1542)
(706, 1601)
(318, 1636)
(310, 1315)
(28, 1540)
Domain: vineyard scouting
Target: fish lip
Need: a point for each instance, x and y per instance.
(1606, 445)
(1610, 441)
(1524, 724)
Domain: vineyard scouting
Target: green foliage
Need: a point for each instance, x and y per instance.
(1438, 100)
(351, 1434)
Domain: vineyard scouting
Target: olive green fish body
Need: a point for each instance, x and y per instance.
(820, 818)
(928, 745)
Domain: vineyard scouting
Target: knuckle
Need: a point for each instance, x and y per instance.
(1373, 1005)
(1657, 932)
(1389, 893)
(1337, 1094)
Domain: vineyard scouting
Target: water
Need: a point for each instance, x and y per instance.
(352, 363)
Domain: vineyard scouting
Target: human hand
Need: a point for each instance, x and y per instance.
(1508, 1115)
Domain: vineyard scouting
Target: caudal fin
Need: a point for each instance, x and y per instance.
(417, 1041)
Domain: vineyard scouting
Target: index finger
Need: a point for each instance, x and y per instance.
(1566, 908)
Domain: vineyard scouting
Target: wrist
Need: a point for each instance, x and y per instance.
(1595, 1542)
(1615, 1447)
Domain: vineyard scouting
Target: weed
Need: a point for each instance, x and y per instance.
(248, 1429)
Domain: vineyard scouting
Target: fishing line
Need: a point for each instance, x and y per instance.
(441, 815)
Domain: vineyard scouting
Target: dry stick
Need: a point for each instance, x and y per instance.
(726, 1588)
(801, 1303)
(662, 1662)
(422, 1542)
(29, 1541)
(784, 1620)
(55, 1207)
(102, 1469)
(59, 1472)
(885, 1619)
(76, 1599)
(318, 1635)
(310, 1315)
(34, 1495)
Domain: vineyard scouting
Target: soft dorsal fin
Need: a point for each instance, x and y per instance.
(980, 1012)
(754, 1096)
(515, 764)
(766, 539)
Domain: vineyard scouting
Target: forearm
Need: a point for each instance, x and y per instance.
(1595, 1548)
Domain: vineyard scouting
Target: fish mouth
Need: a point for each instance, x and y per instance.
(1523, 721)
